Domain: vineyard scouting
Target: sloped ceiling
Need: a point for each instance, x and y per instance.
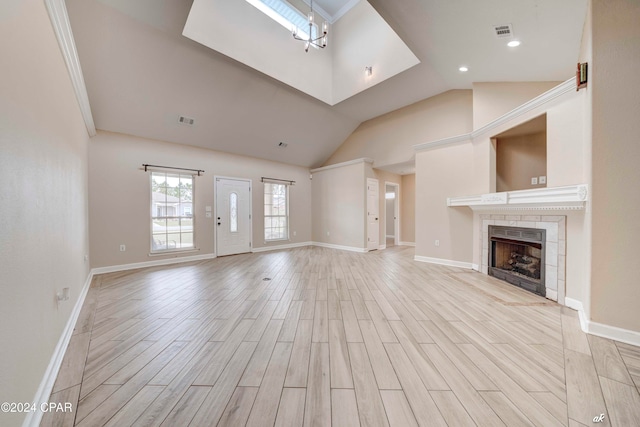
(141, 73)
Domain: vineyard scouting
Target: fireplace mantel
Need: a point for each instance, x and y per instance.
(572, 197)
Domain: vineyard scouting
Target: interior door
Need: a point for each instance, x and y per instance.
(233, 216)
(373, 215)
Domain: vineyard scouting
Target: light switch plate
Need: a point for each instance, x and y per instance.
(542, 180)
(207, 208)
(534, 180)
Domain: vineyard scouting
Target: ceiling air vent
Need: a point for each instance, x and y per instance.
(187, 121)
(504, 30)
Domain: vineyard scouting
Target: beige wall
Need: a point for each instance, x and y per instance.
(119, 195)
(442, 173)
(492, 100)
(615, 294)
(339, 206)
(389, 139)
(408, 208)
(518, 159)
(43, 200)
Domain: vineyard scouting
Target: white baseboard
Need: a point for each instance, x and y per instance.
(43, 394)
(447, 262)
(168, 261)
(475, 267)
(407, 244)
(281, 247)
(606, 331)
(340, 247)
(390, 236)
(381, 247)
(613, 332)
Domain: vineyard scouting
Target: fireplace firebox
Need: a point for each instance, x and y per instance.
(516, 255)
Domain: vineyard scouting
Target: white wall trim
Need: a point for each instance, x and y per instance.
(343, 164)
(381, 247)
(343, 10)
(551, 294)
(281, 247)
(62, 28)
(412, 244)
(548, 96)
(475, 267)
(606, 331)
(613, 332)
(390, 236)
(168, 261)
(564, 87)
(43, 394)
(340, 247)
(447, 262)
(444, 141)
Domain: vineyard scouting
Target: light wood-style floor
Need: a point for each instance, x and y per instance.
(335, 338)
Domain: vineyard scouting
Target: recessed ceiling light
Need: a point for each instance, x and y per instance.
(513, 43)
(463, 69)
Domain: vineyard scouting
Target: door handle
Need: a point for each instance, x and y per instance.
(376, 219)
(219, 223)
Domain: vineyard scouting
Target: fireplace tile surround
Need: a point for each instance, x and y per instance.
(555, 250)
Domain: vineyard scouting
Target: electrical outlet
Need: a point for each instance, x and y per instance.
(208, 214)
(327, 233)
(123, 248)
(437, 243)
(542, 180)
(534, 180)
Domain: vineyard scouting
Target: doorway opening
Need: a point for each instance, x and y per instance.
(392, 214)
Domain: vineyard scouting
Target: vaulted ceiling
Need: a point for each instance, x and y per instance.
(141, 73)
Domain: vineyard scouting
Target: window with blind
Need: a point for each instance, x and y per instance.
(276, 211)
(172, 207)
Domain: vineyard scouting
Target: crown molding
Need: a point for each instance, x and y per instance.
(62, 28)
(343, 164)
(343, 10)
(553, 93)
(445, 141)
(539, 101)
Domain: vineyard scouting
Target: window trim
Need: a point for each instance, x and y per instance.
(287, 216)
(156, 252)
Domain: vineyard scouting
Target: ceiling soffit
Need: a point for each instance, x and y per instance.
(359, 39)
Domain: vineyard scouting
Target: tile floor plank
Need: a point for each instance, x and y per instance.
(336, 337)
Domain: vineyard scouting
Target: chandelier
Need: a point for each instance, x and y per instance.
(320, 41)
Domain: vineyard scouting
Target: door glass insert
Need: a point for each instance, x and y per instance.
(233, 213)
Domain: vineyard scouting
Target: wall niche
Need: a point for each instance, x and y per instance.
(521, 154)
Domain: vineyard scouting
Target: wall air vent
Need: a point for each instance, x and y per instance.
(504, 30)
(187, 121)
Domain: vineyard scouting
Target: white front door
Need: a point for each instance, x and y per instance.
(373, 215)
(233, 216)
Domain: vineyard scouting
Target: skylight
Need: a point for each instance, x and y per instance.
(284, 14)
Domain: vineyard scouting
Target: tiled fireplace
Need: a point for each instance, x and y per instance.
(547, 237)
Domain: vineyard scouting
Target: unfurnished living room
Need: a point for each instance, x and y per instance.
(319, 213)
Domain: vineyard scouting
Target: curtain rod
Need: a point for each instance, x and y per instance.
(279, 180)
(198, 171)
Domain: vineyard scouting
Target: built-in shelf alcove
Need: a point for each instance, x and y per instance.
(521, 154)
